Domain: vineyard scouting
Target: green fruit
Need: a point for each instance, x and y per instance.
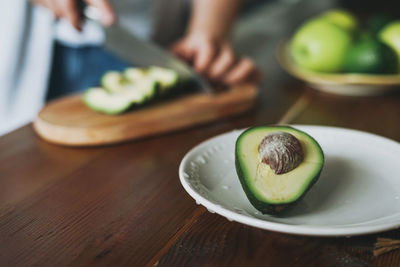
(320, 46)
(341, 18)
(166, 77)
(390, 35)
(100, 100)
(371, 56)
(134, 74)
(273, 187)
(362, 35)
(376, 23)
(135, 86)
(112, 81)
(141, 91)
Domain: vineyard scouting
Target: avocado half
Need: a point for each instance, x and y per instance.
(269, 192)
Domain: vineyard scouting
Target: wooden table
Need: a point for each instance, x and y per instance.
(124, 205)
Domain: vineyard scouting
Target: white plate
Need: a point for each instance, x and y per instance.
(358, 191)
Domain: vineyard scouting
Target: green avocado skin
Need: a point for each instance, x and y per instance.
(267, 208)
(262, 206)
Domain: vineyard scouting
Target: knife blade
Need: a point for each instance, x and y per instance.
(138, 52)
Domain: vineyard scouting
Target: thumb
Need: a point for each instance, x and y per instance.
(204, 56)
(108, 16)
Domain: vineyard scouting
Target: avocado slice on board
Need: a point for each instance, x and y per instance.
(167, 78)
(100, 100)
(112, 81)
(267, 191)
(135, 74)
(140, 91)
(135, 86)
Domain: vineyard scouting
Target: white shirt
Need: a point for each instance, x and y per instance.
(25, 56)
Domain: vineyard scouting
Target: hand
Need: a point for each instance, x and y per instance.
(69, 9)
(215, 60)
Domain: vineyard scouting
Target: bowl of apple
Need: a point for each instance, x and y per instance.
(334, 52)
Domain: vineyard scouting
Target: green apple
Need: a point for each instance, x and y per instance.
(320, 46)
(341, 18)
(390, 35)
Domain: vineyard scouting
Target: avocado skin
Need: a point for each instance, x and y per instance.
(267, 208)
(264, 207)
(371, 56)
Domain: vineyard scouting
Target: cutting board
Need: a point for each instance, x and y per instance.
(67, 121)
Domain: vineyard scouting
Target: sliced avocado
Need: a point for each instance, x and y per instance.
(166, 77)
(140, 80)
(100, 100)
(147, 87)
(112, 81)
(134, 74)
(132, 87)
(267, 191)
(139, 92)
(133, 94)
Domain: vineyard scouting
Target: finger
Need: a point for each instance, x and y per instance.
(44, 3)
(72, 14)
(108, 16)
(179, 49)
(56, 7)
(52, 5)
(222, 63)
(203, 57)
(256, 76)
(242, 71)
(182, 51)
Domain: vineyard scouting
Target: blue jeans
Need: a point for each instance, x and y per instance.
(75, 69)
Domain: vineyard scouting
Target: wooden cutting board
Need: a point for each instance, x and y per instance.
(67, 121)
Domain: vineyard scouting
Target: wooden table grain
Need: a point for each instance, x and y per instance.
(124, 205)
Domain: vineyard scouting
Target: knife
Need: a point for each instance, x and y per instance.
(138, 52)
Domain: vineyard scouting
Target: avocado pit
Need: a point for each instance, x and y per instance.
(281, 151)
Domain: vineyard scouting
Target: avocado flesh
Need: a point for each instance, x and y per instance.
(166, 77)
(99, 100)
(120, 91)
(267, 191)
(112, 81)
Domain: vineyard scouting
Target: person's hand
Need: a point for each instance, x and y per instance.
(68, 9)
(215, 60)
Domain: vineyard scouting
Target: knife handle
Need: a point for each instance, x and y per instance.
(88, 12)
(81, 5)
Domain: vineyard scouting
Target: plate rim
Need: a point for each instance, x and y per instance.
(307, 230)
